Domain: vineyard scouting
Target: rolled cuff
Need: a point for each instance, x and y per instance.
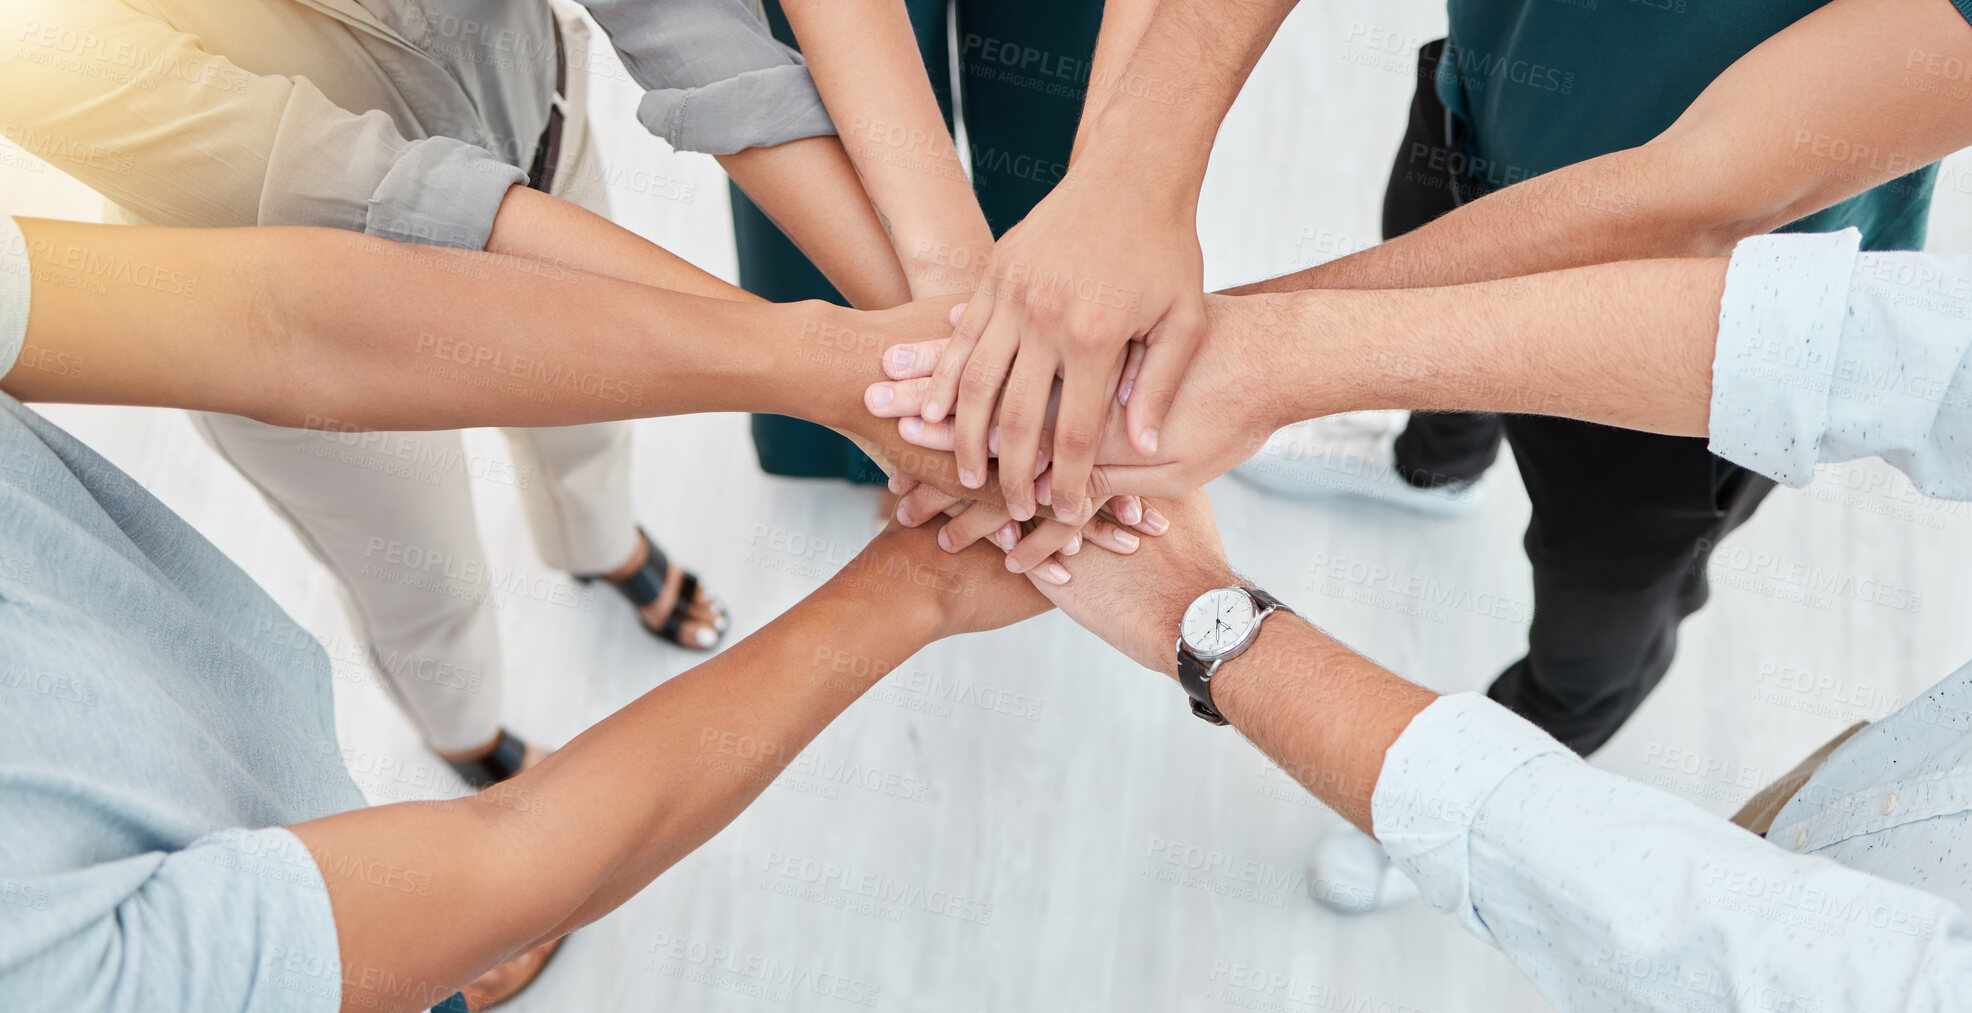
(1434, 786)
(757, 109)
(1780, 331)
(441, 192)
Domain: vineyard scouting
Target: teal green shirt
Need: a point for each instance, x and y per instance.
(1548, 83)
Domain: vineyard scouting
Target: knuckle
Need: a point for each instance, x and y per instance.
(1074, 438)
(979, 380)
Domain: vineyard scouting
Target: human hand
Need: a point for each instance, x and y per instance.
(1035, 545)
(951, 593)
(1094, 266)
(1233, 398)
(1135, 603)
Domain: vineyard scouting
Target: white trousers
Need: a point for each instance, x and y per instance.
(391, 514)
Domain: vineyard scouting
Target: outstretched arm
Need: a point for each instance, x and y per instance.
(864, 58)
(1847, 98)
(565, 842)
(1109, 256)
(1563, 867)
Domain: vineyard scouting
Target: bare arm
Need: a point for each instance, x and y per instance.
(864, 58)
(1111, 255)
(807, 187)
(1836, 104)
(565, 842)
(1627, 344)
(324, 329)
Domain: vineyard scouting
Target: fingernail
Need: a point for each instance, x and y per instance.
(1127, 540)
(944, 542)
(903, 516)
(1150, 441)
(902, 357)
(1123, 392)
(1020, 511)
(969, 478)
(931, 410)
(1005, 536)
(1132, 512)
(1155, 521)
(1067, 513)
(1013, 564)
(1074, 546)
(911, 426)
(1040, 466)
(993, 441)
(896, 485)
(706, 637)
(881, 395)
(1053, 573)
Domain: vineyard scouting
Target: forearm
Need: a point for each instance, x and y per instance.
(322, 329)
(567, 841)
(1771, 140)
(1324, 713)
(535, 226)
(1188, 64)
(1628, 344)
(809, 188)
(1634, 204)
(864, 58)
(1123, 26)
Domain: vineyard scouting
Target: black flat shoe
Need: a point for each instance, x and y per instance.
(647, 585)
(503, 761)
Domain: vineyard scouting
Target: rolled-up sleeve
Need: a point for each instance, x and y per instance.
(237, 921)
(715, 79)
(1610, 895)
(144, 115)
(1825, 354)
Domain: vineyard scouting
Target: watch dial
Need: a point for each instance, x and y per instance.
(1217, 621)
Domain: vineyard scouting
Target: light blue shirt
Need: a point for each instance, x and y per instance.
(161, 720)
(1614, 896)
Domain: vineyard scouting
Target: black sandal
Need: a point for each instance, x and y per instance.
(502, 762)
(647, 585)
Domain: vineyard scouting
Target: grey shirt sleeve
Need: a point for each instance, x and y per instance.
(16, 283)
(716, 80)
(237, 921)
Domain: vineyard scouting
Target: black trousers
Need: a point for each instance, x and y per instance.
(1623, 522)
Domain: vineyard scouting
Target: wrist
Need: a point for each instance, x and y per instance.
(1116, 162)
(1339, 360)
(827, 357)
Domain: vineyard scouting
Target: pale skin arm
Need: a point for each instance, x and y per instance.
(1820, 112)
(1111, 255)
(864, 59)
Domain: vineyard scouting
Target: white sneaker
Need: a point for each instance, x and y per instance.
(1352, 454)
(1350, 874)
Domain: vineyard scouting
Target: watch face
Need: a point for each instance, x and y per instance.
(1217, 621)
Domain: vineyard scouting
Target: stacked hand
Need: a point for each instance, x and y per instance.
(1090, 270)
(1221, 414)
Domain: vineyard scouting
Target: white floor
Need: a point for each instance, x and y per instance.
(1033, 871)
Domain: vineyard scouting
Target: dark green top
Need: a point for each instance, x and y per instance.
(1547, 83)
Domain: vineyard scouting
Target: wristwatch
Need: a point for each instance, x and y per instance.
(1218, 627)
